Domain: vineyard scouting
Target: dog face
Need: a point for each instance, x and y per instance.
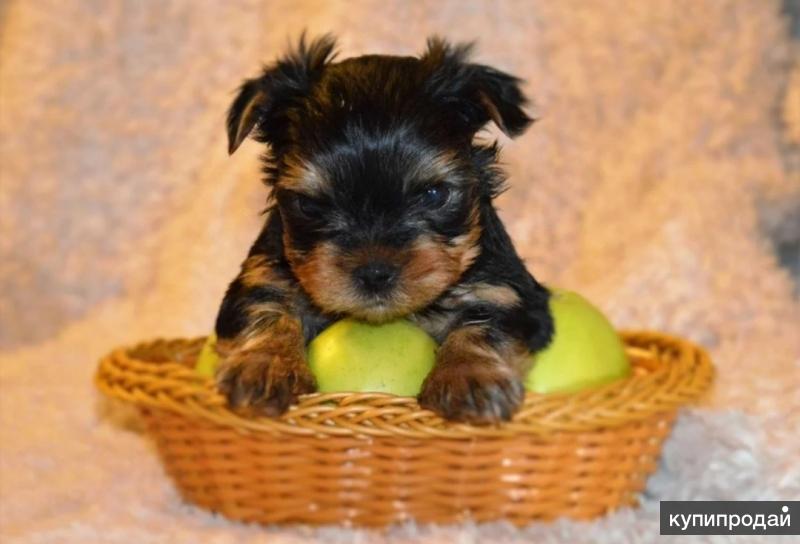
(374, 172)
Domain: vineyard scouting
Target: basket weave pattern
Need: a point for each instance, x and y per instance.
(375, 459)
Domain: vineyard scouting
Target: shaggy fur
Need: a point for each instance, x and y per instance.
(382, 208)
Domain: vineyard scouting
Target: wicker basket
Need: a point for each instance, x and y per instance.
(375, 459)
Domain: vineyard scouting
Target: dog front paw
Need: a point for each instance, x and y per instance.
(264, 383)
(477, 392)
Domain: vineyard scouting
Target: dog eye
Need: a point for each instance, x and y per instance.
(435, 196)
(306, 205)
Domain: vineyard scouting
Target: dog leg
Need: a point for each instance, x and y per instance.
(262, 341)
(489, 330)
(476, 379)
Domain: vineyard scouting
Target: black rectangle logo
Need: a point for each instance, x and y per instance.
(730, 517)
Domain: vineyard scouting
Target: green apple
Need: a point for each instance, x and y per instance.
(208, 359)
(586, 350)
(351, 355)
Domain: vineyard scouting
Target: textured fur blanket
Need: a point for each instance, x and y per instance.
(660, 179)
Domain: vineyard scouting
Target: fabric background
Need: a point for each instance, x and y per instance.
(663, 182)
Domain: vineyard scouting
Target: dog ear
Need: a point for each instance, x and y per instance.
(479, 93)
(246, 110)
(263, 101)
(502, 99)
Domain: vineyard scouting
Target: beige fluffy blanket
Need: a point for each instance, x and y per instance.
(661, 176)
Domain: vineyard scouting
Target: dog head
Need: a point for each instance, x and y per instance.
(374, 171)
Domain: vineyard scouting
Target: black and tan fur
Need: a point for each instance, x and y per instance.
(381, 207)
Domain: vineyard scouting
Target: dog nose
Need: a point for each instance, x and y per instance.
(376, 276)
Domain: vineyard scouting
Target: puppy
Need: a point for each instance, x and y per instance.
(381, 208)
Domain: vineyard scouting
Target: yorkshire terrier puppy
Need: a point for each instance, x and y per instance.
(381, 208)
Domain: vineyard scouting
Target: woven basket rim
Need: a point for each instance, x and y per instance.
(670, 372)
